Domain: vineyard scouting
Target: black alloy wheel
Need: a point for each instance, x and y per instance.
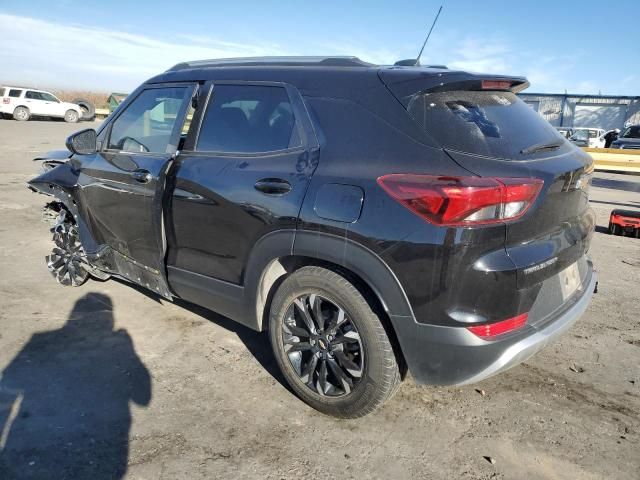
(67, 261)
(331, 344)
(323, 345)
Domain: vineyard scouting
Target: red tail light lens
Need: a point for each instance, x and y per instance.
(6, 100)
(462, 201)
(498, 328)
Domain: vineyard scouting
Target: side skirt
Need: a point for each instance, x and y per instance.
(222, 297)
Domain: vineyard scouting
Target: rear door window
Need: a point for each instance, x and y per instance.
(490, 123)
(31, 95)
(248, 119)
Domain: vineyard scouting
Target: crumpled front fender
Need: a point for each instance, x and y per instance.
(61, 182)
(54, 155)
(63, 176)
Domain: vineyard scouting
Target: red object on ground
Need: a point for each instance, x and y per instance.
(624, 222)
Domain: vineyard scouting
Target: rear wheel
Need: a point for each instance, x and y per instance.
(71, 116)
(21, 114)
(330, 345)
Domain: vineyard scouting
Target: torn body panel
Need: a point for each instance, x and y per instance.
(62, 183)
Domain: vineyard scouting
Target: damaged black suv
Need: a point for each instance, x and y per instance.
(375, 220)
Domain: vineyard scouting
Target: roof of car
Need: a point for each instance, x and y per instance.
(290, 61)
(324, 75)
(23, 88)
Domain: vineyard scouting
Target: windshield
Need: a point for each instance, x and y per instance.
(632, 132)
(581, 135)
(491, 123)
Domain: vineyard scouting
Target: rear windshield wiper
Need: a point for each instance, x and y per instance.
(539, 147)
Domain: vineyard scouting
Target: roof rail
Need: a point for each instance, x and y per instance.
(336, 61)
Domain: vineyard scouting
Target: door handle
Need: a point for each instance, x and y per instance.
(142, 176)
(273, 186)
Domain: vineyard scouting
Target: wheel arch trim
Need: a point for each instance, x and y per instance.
(360, 260)
(265, 268)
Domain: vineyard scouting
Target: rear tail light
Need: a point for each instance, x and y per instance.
(6, 100)
(491, 330)
(462, 201)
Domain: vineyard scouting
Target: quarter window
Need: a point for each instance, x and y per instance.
(248, 119)
(148, 123)
(15, 93)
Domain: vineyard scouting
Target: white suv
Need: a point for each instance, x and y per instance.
(588, 137)
(23, 103)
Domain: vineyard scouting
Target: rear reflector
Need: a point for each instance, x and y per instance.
(496, 84)
(491, 330)
(462, 201)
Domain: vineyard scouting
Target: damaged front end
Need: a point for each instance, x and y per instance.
(68, 261)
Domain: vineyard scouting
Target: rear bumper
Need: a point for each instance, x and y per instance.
(454, 356)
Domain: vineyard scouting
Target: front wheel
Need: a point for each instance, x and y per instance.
(71, 116)
(331, 347)
(67, 261)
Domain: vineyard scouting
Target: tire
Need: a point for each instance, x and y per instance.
(369, 377)
(615, 229)
(21, 114)
(87, 108)
(71, 116)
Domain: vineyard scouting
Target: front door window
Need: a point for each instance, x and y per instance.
(150, 123)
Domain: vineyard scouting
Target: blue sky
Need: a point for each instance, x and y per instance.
(582, 47)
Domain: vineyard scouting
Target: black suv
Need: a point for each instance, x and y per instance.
(375, 220)
(629, 138)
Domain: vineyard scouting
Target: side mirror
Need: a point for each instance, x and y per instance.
(82, 142)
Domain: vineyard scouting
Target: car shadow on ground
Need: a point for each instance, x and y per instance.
(257, 343)
(65, 399)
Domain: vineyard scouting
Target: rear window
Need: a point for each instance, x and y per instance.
(2, 90)
(490, 123)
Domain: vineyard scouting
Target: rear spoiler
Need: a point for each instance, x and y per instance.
(404, 83)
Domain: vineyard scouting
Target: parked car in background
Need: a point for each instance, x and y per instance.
(24, 103)
(566, 132)
(588, 137)
(370, 218)
(629, 138)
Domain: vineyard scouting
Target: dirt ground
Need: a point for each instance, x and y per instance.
(104, 381)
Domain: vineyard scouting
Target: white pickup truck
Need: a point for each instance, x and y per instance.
(23, 103)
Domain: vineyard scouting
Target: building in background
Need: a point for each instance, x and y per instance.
(595, 111)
